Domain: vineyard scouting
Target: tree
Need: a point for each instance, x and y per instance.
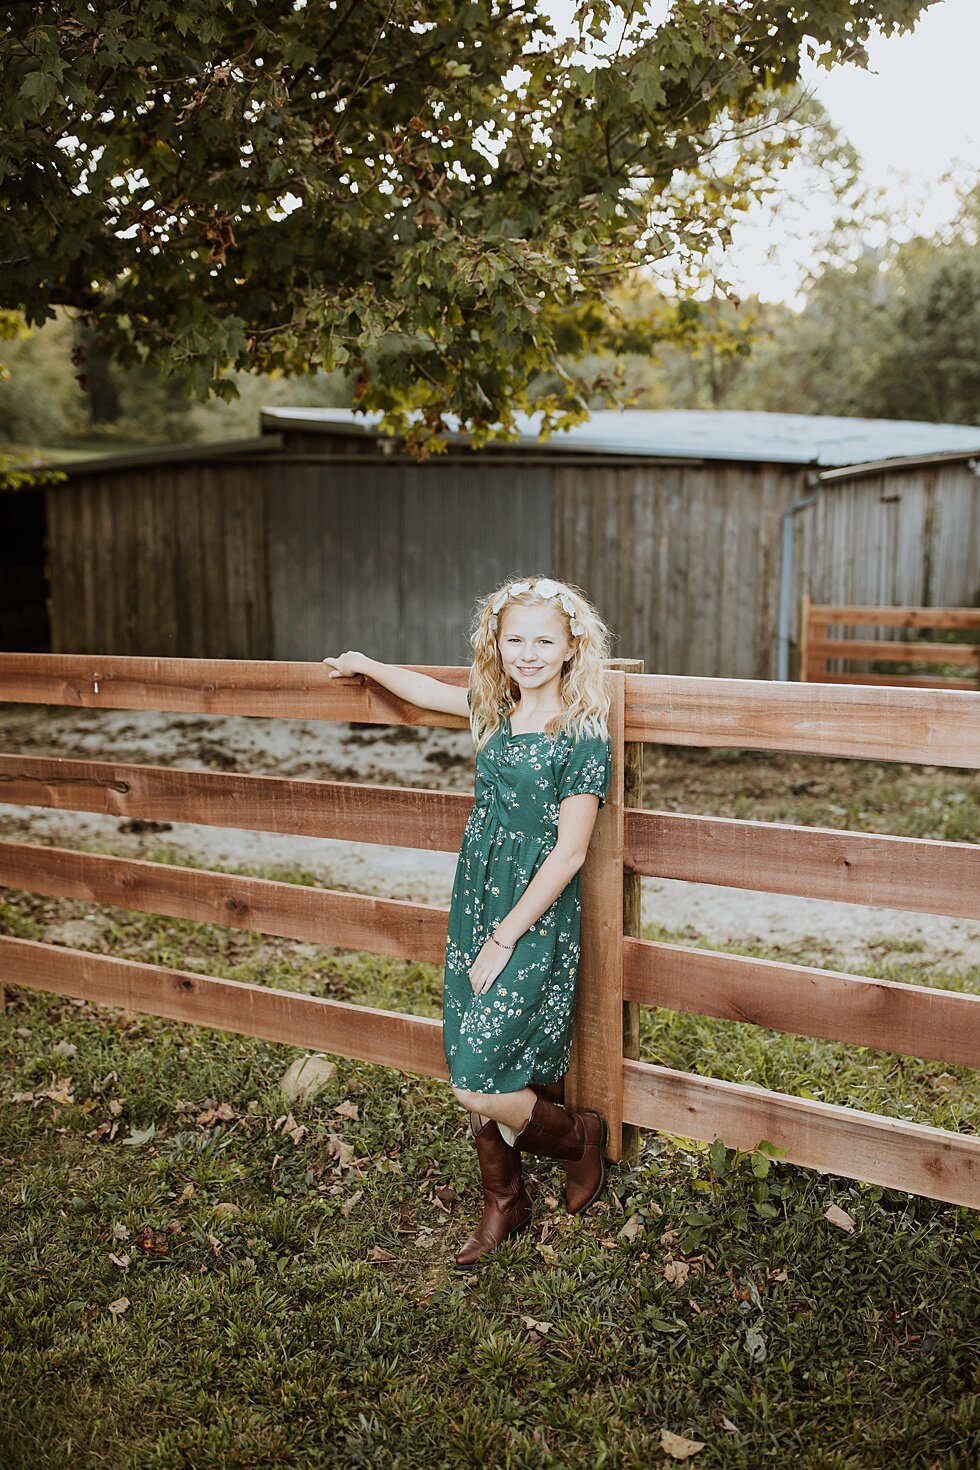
(886, 332)
(414, 190)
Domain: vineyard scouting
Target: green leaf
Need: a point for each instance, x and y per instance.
(39, 87)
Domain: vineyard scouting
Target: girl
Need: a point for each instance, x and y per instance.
(537, 708)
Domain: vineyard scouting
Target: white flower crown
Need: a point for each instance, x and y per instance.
(545, 588)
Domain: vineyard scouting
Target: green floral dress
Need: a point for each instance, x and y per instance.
(520, 1031)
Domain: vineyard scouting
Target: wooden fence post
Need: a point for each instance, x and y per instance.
(632, 900)
(595, 1074)
(803, 673)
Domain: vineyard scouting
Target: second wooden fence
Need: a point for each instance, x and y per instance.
(619, 971)
(818, 650)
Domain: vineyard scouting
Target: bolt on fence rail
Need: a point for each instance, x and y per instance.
(618, 969)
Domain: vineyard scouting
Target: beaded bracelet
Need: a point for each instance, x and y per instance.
(498, 943)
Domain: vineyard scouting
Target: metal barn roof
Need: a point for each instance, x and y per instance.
(772, 438)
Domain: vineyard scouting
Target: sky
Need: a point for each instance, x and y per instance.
(911, 115)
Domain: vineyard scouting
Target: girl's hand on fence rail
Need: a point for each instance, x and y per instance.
(344, 666)
(415, 688)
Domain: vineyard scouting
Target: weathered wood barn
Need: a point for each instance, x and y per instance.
(320, 535)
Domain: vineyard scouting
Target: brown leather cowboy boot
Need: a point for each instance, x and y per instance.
(507, 1205)
(553, 1091)
(578, 1139)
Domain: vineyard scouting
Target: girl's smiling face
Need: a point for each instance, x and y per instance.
(534, 643)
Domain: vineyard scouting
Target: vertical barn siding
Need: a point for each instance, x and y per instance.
(160, 560)
(389, 557)
(905, 537)
(683, 562)
(296, 556)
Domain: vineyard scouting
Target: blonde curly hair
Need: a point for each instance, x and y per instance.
(582, 689)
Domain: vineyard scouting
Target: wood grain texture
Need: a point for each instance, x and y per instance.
(916, 1020)
(403, 816)
(835, 1140)
(632, 901)
(896, 651)
(931, 727)
(897, 617)
(161, 558)
(291, 910)
(916, 873)
(216, 687)
(594, 1078)
(411, 1043)
(897, 681)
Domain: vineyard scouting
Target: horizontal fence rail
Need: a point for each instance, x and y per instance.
(817, 647)
(402, 816)
(412, 1043)
(617, 970)
(387, 926)
(916, 1020)
(836, 1140)
(827, 863)
(933, 727)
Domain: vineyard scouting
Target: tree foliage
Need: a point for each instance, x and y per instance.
(414, 189)
(890, 331)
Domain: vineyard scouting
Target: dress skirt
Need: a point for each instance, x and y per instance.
(520, 1030)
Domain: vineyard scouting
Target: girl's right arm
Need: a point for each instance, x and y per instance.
(417, 689)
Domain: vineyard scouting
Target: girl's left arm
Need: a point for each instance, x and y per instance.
(576, 819)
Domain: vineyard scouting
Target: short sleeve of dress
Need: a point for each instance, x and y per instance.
(587, 769)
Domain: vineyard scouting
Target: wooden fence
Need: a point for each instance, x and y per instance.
(817, 648)
(619, 971)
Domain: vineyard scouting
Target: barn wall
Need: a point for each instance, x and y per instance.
(905, 537)
(682, 562)
(388, 558)
(290, 559)
(161, 561)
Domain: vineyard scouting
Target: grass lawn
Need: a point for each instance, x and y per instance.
(195, 1275)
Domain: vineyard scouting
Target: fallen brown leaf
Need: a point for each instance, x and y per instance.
(677, 1447)
(289, 1126)
(347, 1110)
(339, 1150)
(632, 1228)
(534, 1326)
(839, 1217)
(153, 1242)
(378, 1253)
(676, 1272)
(120, 1305)
(61, 1092)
